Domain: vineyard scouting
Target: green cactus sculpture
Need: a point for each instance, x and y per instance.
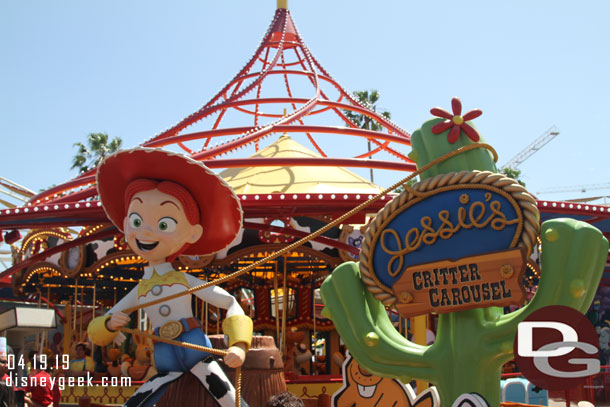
(428, 146)
(472, 345)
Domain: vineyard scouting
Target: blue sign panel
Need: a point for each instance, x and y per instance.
(448, 224)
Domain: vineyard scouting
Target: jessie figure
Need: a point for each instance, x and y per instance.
(167, 204)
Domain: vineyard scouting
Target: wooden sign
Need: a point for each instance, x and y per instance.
(494, 279)
(447, 219)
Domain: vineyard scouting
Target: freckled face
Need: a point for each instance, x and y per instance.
(156, 226)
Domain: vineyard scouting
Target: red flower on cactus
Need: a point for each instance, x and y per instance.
(456, 121)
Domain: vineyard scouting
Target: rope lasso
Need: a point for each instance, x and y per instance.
(318, 232)
(283, 251)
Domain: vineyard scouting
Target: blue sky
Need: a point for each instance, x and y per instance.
(133, 69)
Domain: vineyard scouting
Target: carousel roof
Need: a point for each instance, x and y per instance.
(282, 89)
(295, 179)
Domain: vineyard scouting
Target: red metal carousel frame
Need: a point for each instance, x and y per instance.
(74, 203)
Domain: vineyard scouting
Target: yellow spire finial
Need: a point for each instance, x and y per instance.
(285, 111)
(282, 4)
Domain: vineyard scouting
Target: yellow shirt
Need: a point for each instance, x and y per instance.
(80, 365)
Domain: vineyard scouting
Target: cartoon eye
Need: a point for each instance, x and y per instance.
(355, 242)
(135, 220)
(167, 224)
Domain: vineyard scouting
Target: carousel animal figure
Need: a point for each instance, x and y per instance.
(167, 204)
(141, 368)
(114, 367)
(361, 388)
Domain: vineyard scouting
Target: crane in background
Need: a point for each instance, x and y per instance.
(580, 188)
(536, 145)
(575, 188)
(528, 151)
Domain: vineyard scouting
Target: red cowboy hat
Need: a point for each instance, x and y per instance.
(219, 207)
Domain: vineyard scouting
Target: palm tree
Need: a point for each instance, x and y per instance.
(408, 184)
(514, 174)
(363, 121)
(92, 154)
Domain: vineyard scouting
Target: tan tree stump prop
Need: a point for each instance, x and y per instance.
(262, 377)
